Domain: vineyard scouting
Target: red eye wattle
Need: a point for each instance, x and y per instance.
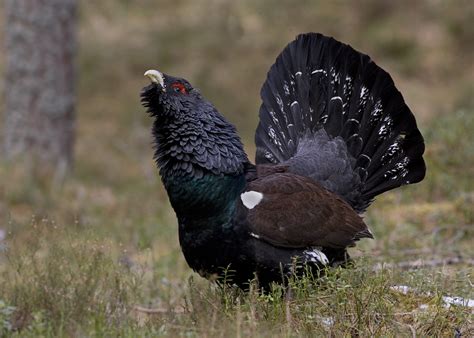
(179, 88)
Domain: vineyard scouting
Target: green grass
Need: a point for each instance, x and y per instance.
(101, 260)
(90, 256)
(61, 281)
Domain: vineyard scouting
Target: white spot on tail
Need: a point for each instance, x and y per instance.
(336, 98)
(274, 137)
(315, 255)
(254, 235)
(280, 103)
(273, 115)
(319, 71)
(251, 198)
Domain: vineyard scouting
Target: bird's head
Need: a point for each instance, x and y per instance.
(168, 95)
(190, 134)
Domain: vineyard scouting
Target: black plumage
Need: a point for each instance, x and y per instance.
(334, 133)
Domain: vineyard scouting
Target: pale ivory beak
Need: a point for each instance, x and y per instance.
(156, 77)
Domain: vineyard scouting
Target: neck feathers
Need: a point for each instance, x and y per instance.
(187, 147)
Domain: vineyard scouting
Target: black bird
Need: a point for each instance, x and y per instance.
(334, 133)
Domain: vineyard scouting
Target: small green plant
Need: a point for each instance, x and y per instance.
(6, 313)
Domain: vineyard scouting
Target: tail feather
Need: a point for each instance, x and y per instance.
(330, 113)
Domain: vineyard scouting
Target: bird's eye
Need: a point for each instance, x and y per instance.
(179, 88)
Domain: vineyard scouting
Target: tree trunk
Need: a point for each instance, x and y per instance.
(40, 76)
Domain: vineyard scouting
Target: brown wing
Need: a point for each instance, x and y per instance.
(295, 211)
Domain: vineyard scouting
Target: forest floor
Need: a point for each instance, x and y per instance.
(106, 261)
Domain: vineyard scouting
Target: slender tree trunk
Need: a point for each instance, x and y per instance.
(40, 76)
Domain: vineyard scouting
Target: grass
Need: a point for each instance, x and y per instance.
(64, 283)
(99, 254)
(90, 270)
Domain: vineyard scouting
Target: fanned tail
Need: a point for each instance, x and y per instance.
(330, 113)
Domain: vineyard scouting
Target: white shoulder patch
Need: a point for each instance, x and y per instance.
(251, 198)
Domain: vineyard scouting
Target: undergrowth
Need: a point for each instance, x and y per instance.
(61, 282)
(74, 278)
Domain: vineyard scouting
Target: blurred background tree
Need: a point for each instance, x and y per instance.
(40, 45)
